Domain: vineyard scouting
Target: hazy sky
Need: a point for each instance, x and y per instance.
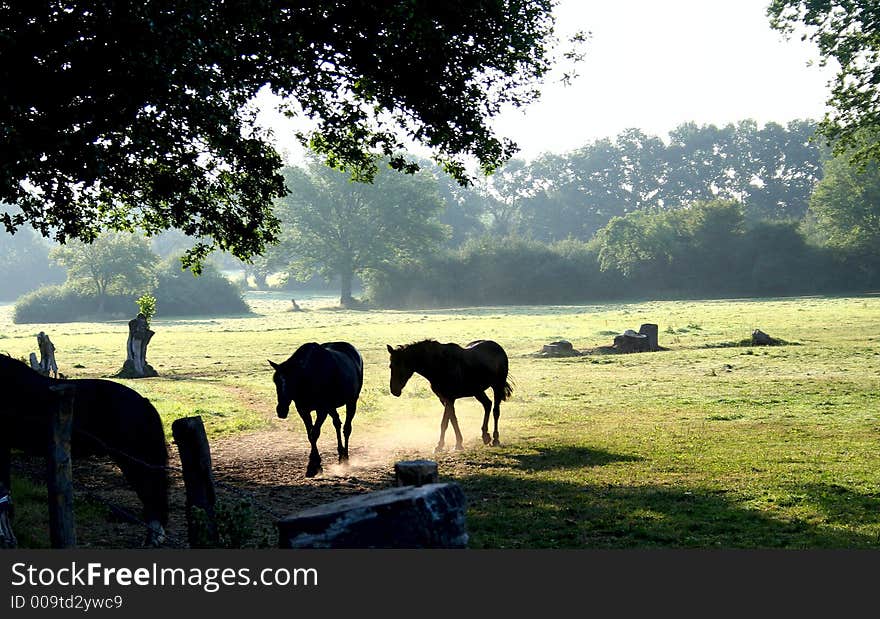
(653, 65)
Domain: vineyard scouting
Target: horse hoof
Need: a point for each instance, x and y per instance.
(314, 470)
(439, 449)
(486, 438)
(496, 443)
(343, 458)
(459, 447)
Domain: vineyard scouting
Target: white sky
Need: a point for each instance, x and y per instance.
(655, 64)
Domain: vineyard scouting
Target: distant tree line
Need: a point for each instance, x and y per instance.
(737, 210)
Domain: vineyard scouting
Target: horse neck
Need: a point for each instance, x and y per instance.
(423, 359)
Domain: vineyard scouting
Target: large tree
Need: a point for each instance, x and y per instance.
(847, 32)
(339, 228)
(121, 114)
(114, 263)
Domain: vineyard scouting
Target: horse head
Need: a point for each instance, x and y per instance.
(282, 389)
(401, 370)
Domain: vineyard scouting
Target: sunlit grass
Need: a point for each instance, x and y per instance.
(698, 445)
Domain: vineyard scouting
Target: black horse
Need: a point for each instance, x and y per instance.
(320, 378)
(455, 372)
(109, 419)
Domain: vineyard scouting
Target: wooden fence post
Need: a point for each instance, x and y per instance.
(5, 466)
(59, 476)
(195, 458)
(7, 536)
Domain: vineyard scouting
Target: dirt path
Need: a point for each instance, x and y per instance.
(265, 468)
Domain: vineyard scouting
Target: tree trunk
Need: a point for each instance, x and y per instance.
(345, 298)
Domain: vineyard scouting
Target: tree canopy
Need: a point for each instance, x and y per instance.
(115, 263)
(848, 32)
(845, 208)
(118, 115)
(338, 228)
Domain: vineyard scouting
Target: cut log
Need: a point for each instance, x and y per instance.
(416, 472)
(139, 336)
(429, 516)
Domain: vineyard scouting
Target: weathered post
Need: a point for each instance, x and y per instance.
(46, 365)
(5, 466)
(59, 476)
(195, 458)
(7, 536)
(416, 472)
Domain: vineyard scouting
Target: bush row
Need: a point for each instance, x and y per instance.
(178, 293)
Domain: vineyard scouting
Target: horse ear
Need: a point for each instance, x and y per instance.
(388, 346)
(273, 364)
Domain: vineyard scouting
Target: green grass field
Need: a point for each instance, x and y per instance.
(702, 445)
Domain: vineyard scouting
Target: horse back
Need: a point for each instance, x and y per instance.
(328, 375)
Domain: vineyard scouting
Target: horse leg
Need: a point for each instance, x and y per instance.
(454, 421)
(314, 466)
(496, 412)
(487, 406)
(443, 424)
(337, 423)
(350, 410)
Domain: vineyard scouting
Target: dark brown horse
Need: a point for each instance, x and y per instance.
(108, 419)
(320, 378)
(455, 372)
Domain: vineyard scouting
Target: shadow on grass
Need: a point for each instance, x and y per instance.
(841, 504)
(569, 457)
(509, 511)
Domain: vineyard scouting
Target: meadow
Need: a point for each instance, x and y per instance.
(707, 444)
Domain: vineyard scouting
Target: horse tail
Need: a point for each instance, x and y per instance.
(508, 389)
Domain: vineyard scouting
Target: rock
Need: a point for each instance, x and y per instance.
(416, 472)
(429, 516)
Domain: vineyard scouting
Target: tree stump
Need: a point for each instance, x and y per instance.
(429, 516)
(416, 472)
(759, 338)
(630, 341)
(652, 331)
(139, 336)
(46, 365)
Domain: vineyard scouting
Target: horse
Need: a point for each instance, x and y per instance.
(109, 419)
(320, 378)
(455, 372)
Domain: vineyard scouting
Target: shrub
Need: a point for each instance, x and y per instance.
(180, 293)
(63, 304)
